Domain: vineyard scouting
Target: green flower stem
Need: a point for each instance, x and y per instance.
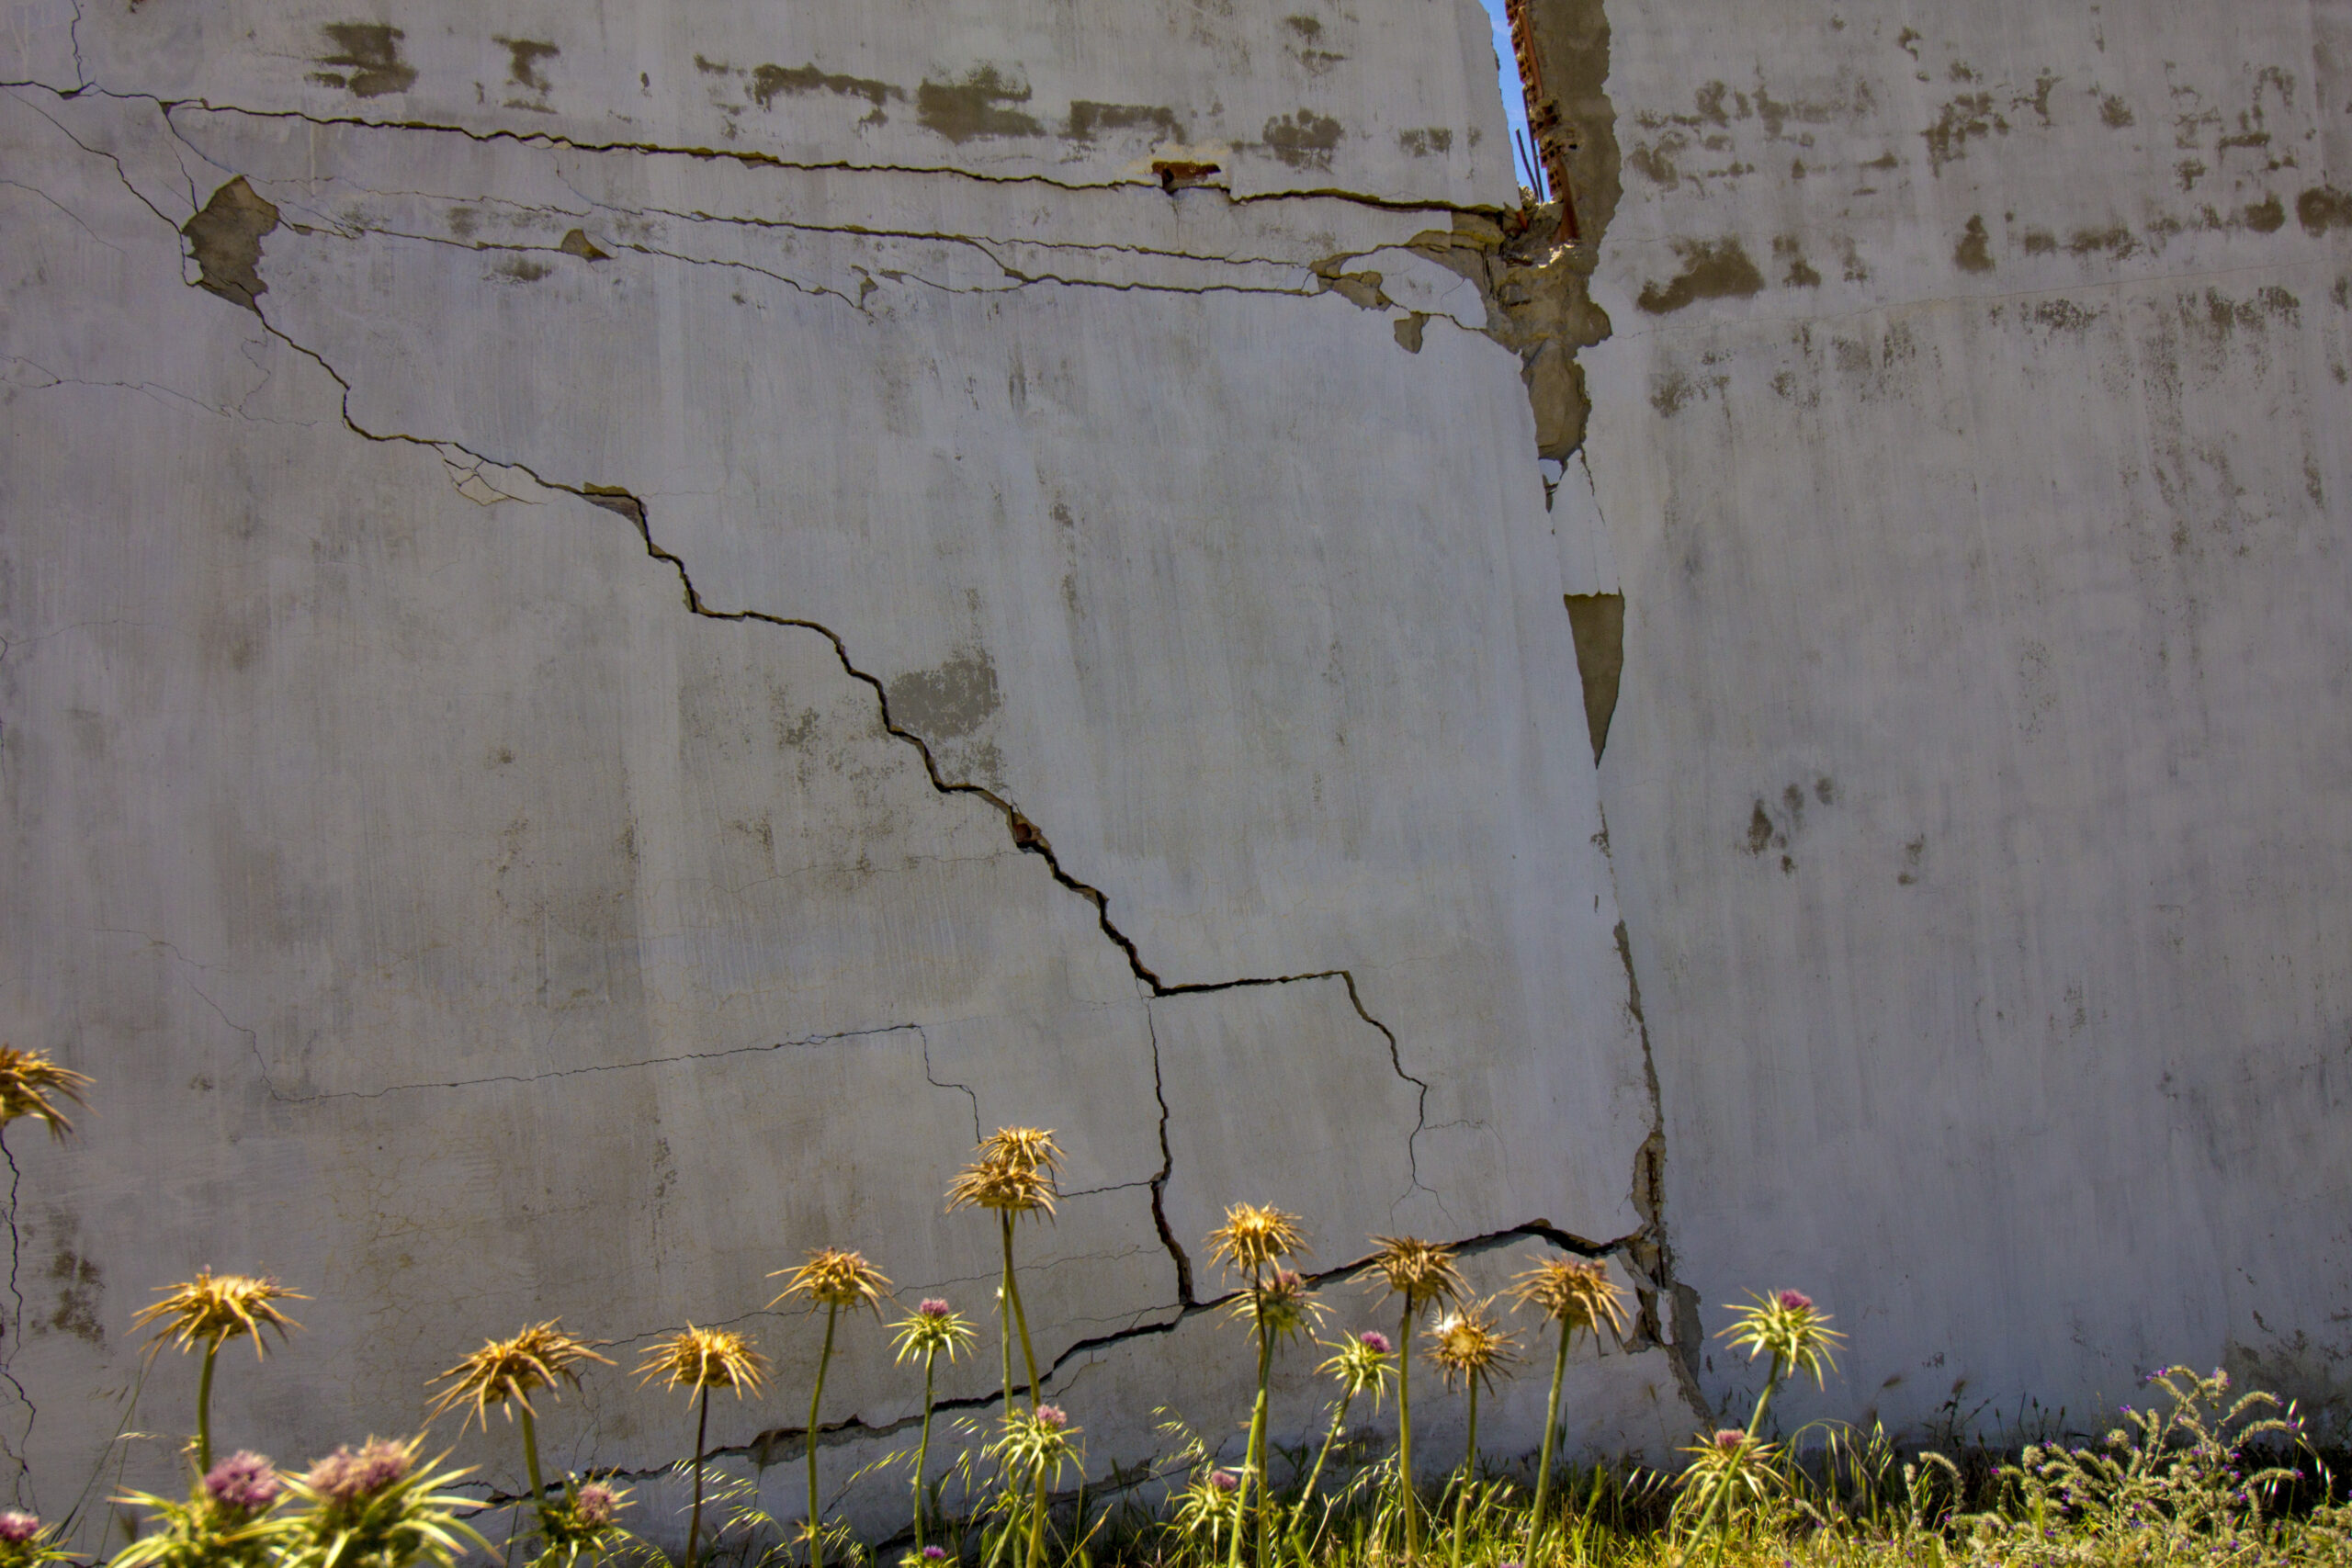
(922, 1449)
(531, 1453)
(1004, 1308)
(1551, 1433)
(1037, 1519)
(1253, 1462)
(1469, 1474)
(1021, 1320)
(693, 1522)
(1405, 1499)
(204, 1410)
(1755, 1424)
(1331, 1440)
(816, 1535)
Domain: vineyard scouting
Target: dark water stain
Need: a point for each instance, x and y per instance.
(2322, 207)
(225, 239)
(1424, 141)
(976, 107)
(370, 55)
(522, 57)
(1789, 248)
(1974, 252)
(1086, 117)
(2266, 216)
(1711, 269)
(2114, 113)
(1304, 139)
(767, 80)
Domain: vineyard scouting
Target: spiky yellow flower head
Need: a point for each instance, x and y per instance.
(1361, 1361)
(1421, 1271)
(1013, 1171)
(931, 1329)
(1574, 1292)
(1036, 1445)
(1471, 1346)
(1730, 1465)
(1283, 1302)
(505, 1371)
(697, 1358)
(1788, 1326)
(1032, 1148)
(212, 1309)
(1254, 1237)
(831, 1277)
(27, 1080)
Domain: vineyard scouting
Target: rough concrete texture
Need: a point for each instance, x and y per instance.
(621, 626)
(1971, 447)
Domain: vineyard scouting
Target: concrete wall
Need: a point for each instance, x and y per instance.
(1970, 442)
(621, 626)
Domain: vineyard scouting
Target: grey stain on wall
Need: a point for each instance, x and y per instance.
(951, 701)
(368, 55)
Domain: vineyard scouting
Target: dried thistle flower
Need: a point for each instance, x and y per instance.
(1421, 1271)
(1470, 1345)
(1786, 1325)
(1254, 1237)
(697, 1359)
(1029, 1148)
(212, 1309)
(27, 1081)
(1577, 1294)
(1284, 1302)
(833, 1277)
(1014, 1171)
(1573, 1292)
(505, 1371)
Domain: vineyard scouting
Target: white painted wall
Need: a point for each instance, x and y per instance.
(463, 928)
(1977, 789)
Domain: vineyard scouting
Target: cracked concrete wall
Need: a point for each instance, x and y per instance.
(620, 627)
(1970, 443)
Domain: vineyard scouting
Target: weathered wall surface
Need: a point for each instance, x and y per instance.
(1971, 446)
(621, 625)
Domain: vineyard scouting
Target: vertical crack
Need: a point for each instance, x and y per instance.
(1159, 1182)
(16, 1330)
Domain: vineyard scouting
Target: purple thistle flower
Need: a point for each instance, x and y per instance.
(932, 1307)
(1729, 1438)
(1793, 1301)
(244, 1481)
(348, 1477)
(1224, 1479)
(596, 1505)
(1376, 1341)
(1052, 1416)
(935, 1554)
(16, 1528)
